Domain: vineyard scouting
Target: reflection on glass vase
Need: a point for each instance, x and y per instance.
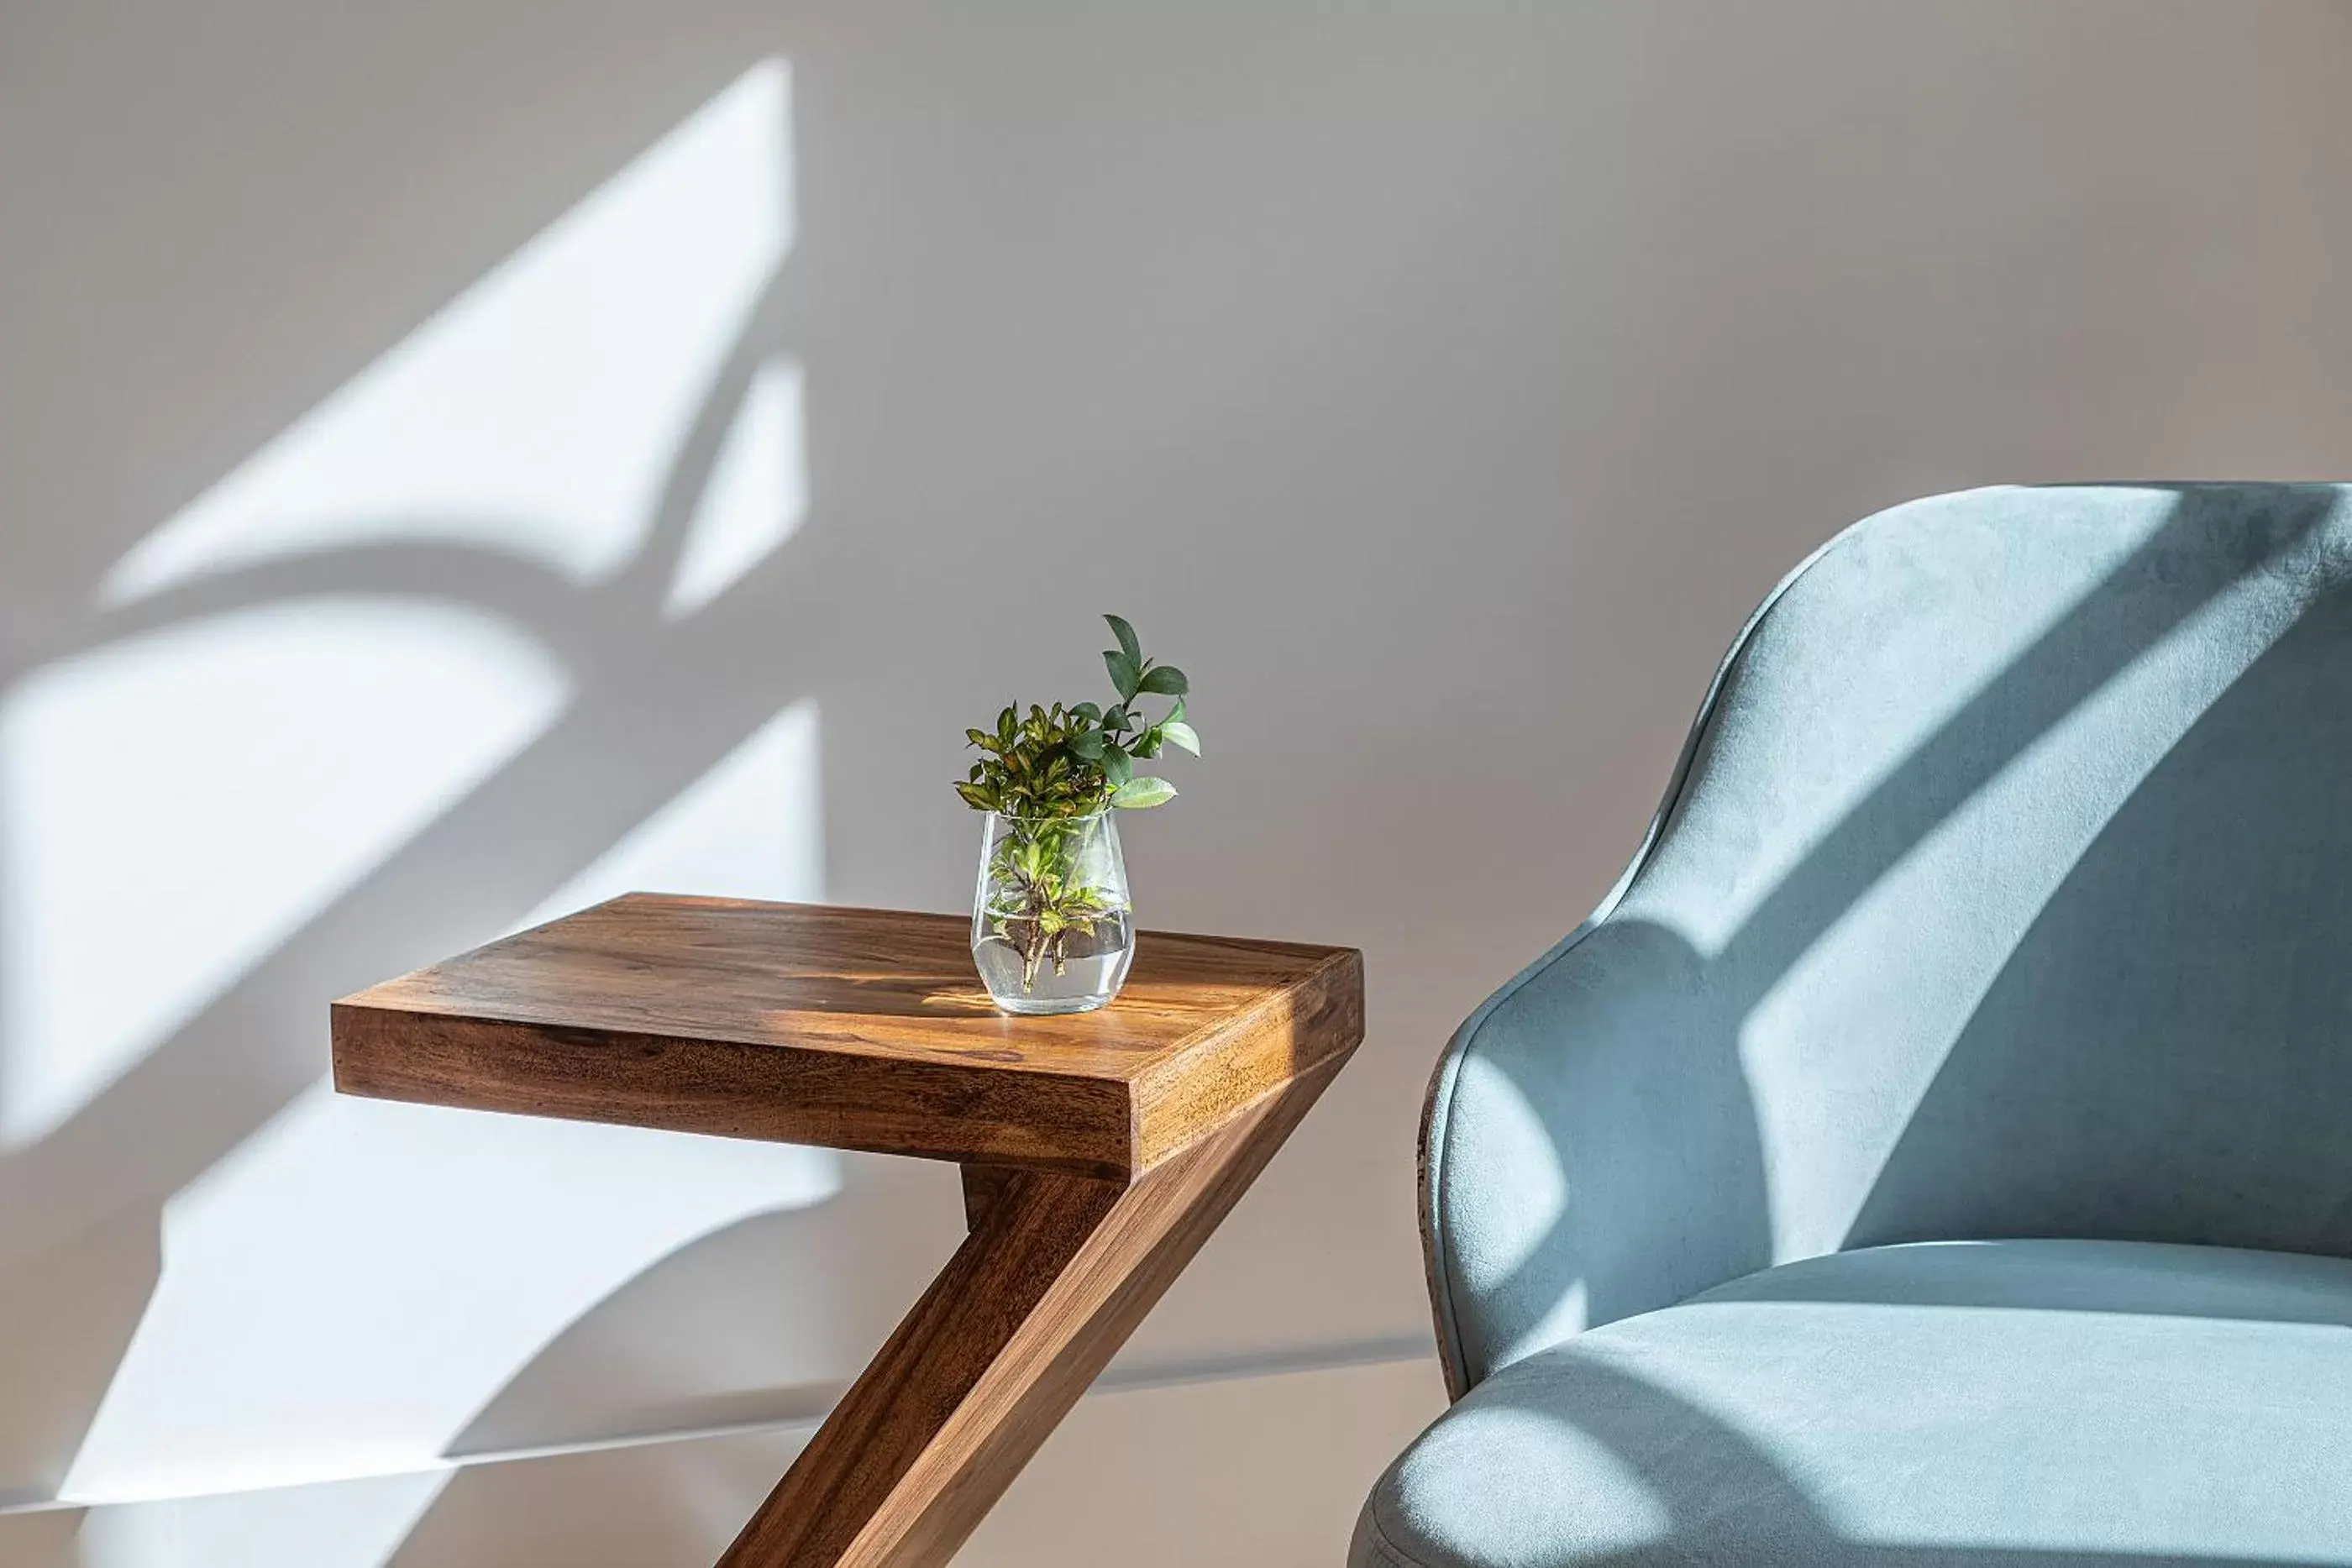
(1051, 925)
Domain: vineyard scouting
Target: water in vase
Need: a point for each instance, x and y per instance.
(1072, 971)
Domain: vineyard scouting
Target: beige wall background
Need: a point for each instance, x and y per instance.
(459, 458)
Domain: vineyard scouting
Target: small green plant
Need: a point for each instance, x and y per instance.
(1050, 775)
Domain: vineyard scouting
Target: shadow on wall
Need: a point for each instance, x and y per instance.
(443, 658)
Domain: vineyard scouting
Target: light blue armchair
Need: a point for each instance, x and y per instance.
(1938, 1148)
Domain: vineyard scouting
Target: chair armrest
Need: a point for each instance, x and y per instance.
(1588, 1149)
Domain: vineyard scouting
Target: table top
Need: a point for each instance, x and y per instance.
(852, 1027)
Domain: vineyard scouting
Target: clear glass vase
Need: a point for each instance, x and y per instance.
(1051, 928)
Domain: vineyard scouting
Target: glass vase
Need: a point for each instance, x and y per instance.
(1052, 927)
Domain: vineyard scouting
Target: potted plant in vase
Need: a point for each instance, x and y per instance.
(1052, 925)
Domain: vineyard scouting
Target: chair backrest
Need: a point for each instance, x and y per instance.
(2005, 889)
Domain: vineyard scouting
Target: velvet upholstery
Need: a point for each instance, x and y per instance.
(1986, 1404)
(2004, 890)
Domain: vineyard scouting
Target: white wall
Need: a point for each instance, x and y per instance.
(454, 458)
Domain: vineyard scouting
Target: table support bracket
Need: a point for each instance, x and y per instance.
(1055, 1273)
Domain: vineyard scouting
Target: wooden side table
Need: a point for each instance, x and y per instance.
(1099, 1149)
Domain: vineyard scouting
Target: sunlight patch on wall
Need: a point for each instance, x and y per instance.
(343, 1294)
(749, 828)
(538, 414)
(344, 1291)
(175, 806)
(357, 1525)
(349, 1288)
(757, 496)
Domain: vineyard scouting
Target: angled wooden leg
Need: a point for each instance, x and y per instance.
(982, 1186)
(1057, 1272)
(1104, 1147)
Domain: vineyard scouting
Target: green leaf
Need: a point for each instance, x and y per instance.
(1086, 743)
(1124, 673)
(1117, 767)
(1127, 643)
(1115, 720)
(1147, 742)
(1008, 724)
(1137, 793)
(1089, 712)
(1165, 680)
(978, 799)
(1176, 732)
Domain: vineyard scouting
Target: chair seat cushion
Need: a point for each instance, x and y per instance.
(1983, 1405)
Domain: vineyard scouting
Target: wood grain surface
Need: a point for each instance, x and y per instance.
(1049, 1284)
(853, 1028)
(1099, 1149)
